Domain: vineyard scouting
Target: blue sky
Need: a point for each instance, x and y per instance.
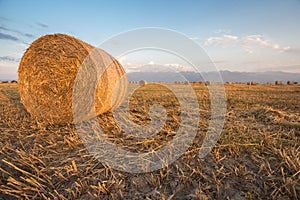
(237, 35)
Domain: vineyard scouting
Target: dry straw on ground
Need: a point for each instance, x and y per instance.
(48, 70)
(256, 157)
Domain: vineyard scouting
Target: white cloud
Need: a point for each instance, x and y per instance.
(151, 63)
(172, 65)
(221, 41)
(231, 37)
(194, 38)
(249, 43)
(122, 59)
(256, 39)
(285, 49)
(179, 67)
(276, 46)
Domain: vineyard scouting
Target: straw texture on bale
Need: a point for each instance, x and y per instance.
(47, 72)
(142, 82)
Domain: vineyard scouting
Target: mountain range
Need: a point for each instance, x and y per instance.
(227, 76)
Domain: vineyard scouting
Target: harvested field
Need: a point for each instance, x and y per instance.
(256, 157)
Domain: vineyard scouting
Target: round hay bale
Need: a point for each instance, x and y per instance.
(207, 83)
(142, 82)
(47, 72)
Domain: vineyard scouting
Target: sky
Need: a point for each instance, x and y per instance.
(248, 35)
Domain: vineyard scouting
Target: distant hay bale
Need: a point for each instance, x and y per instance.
(142, 82)
(251, 83)
(290, 83)
(207, 83)
(278, 82)
(47, 73)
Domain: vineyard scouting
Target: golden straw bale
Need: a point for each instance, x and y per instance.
(49, 68)
(290, 83)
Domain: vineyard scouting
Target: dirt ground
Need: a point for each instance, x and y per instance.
(256, 157)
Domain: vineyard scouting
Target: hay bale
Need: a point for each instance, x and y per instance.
(142, 82)
(251, 83)
(207, 83)
(290, 83)
(47, 72)
(278, 82)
